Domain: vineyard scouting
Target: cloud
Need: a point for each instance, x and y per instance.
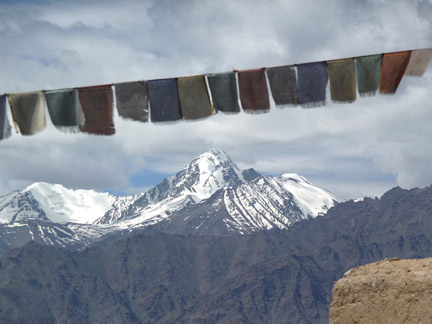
(354, 150)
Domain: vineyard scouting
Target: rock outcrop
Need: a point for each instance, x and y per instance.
(390, 291)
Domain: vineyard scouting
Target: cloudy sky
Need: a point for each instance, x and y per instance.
(358, 149)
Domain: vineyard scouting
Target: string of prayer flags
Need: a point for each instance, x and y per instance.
(28, 111)
(5, 128)
(419, 61)
(254, 96)
(343, 88)
(97, 105)
(65, 110)
(132, 100)
(283, 85)
(223, 89)
(90, 109)
(312, 82)
(392, 70)
(368, 71)
(194, 98)
(164, 100)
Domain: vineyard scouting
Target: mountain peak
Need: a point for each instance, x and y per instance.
(313, 201)
(63, 205)
(209, 172)
(216, 152)
(294, 177)
(39, 185)
(214, 156)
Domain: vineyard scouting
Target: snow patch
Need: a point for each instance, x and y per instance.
(62, 205)
(312, 200)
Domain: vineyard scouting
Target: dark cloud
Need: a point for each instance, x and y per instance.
(354, 150)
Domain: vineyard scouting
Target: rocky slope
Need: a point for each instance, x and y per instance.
(277, 276)
(387, 292)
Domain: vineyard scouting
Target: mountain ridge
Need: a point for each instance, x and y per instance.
(210, 196)
(277, 276)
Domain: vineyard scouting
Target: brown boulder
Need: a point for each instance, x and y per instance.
(390, 291)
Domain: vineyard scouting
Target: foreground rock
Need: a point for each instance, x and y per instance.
(391, 291)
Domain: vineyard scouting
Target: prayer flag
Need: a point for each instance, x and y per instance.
(28, 111)
(253, 91)
(223, 88)
(419, 61)
(392, 71)
(132, 100)
(312, 83)
(283, 85)
(65, 110)
(368, 71)
(164, 100)
(193, 96)
(342, 76)
(97, 104)
(5, 128)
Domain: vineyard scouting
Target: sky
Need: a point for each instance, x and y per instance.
(354, 150)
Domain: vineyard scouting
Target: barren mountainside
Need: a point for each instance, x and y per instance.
(276, 276)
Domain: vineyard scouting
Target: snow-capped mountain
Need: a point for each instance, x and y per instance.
(198, 181)
(247, 200)
(211, 195)
(55, 203)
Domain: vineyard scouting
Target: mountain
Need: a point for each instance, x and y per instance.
(52, 215)
(54, 203)
(276, 276)
(212, 193)
(198, 181)
(210, 196)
